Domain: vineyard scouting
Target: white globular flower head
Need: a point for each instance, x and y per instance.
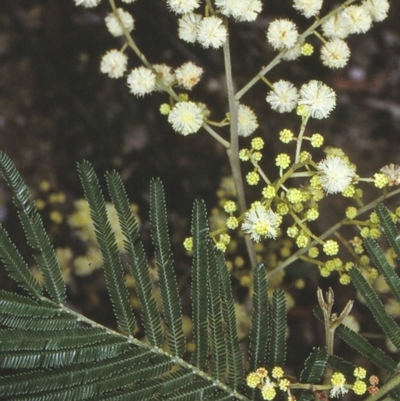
(336, 27)
(128, 1)
(392, 172)
(359, 19)
(183, 6)
(260, 222)
(282, 34)
(113, 24)
(335, 53)
(187, 27)
(114, 63)
(188, 75)
(309, 8)
(247, 120)
(317, 99)
(141, 81)
(186, 118)
(283, 98)
(87, 3)
(336, 174)
(378, 9)
(164, 75)
(240, 10)
(211, 32)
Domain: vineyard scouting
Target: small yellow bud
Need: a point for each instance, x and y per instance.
(380, 180)
(292, 231)
(277, 372)
(40, 204)
(282, 209)
(302, 241)
(165, 108)
(286, 135)
(374, 233)
(313, 252)
(373, 218)
(305, 156)
(188, 244)
(257, 143)
(324, 272)
(331, 247)
(56, 217)
(344, 279)
(282, 160)
(221, 246)
(293, 195)
(359, 387)
(244, 155)
(351, 212)
(307, 49)
(256, 156)
(312, 214)
(253, 178)
(269, 192)
(225, 238)
(253, 380)
(230, 206)
(232, 222)
(360, 372)
(317, 140)
(349, 192)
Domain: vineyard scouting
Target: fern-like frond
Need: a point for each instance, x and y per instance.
(199, 390)
(382, 264)
(112, 265)
(17, 311)
(17, 340)
(234, 354)
(70, 376)
(34, 231)
(101, 385)
(277, 346)
(314, 368)
(217, 363)
(169, 289)
(16, 267)
(200, 233)
(260, 329)
(61, 356)
(137, 260)
(361, 345)
(388, 325)
(340, 365)
(389, 228)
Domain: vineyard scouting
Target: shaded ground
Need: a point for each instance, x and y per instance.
(56, 109)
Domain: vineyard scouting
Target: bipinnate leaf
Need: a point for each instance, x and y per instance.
(36, 237)
(169, 289)
(313, 369)
(112, 265)
(389, 228)
(137, 261)
(277, 346)
(260, 329)
(386, 322)
(200, 234)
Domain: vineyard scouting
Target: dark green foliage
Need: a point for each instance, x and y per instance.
(36, 238)
(314, 368)
(113, 269)
(137, 259)
(277, 346)
(200, 233)
(260, 329)
(56, 354)
(388, 325)
(169, 289)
